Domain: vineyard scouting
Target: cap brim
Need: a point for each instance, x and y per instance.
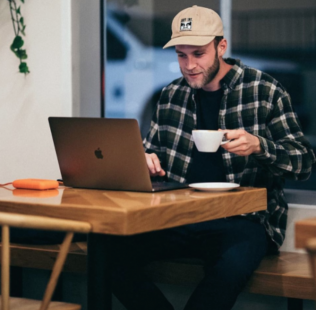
(190, 40)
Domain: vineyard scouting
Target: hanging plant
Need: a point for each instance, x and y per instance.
(19, 31)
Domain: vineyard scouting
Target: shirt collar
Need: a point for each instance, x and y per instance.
(233, 75)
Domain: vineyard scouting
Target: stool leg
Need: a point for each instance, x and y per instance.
(5, 268)
(57, 269)
(294, 304)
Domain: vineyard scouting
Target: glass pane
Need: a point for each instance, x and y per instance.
(278, 37)
(137, 68)
(281, 35)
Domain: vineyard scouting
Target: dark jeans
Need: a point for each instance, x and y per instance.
(230, 248)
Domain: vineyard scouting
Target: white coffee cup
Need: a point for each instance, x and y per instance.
(208, 140)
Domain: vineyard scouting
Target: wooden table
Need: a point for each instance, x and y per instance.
(304, 230)
(127, 213)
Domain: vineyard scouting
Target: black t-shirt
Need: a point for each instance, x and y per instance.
(207, 167)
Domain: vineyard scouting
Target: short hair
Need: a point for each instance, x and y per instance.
(216, 40)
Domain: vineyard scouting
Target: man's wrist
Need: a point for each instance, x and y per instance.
(258, 149)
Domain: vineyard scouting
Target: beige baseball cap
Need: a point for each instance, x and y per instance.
(195, 26)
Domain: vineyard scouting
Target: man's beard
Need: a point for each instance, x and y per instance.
(208, 75)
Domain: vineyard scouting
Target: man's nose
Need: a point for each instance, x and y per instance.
(190, 63)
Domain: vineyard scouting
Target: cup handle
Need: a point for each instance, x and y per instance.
(224, 142)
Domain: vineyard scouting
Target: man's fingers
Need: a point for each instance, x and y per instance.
(150, 164)
(156, 162)
(242, 143)
(162, 173)
(154, 166)
(231, 134)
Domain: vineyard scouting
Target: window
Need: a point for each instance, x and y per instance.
(276, 37)
(285, 35)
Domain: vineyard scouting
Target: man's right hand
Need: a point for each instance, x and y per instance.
(154, 166)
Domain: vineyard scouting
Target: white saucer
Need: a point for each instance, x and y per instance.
(214, 187)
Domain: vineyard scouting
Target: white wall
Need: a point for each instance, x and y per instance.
(26, 148)
(63, 46)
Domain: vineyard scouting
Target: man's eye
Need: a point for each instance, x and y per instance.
(198, 54)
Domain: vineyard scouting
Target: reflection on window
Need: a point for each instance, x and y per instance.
(287, 36)
(115, 48)
(137, 68)
(280, 42)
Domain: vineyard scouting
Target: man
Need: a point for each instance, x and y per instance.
(266, 146)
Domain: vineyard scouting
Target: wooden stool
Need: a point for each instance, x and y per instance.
(36, 222)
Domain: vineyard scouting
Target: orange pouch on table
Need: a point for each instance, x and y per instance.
(35, 184)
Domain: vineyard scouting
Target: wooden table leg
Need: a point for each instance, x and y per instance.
(99, 272)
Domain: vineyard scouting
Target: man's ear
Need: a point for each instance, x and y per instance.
(221, 48)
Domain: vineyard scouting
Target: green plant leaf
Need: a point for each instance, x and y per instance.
(21, 54)
(19, 28)
(16, 53)
(24, 68)
(17, 43)
(22, 30)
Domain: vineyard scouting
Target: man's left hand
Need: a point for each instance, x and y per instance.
(243, 143)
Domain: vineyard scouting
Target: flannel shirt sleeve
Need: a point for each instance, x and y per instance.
(151, 142)
(286, 151)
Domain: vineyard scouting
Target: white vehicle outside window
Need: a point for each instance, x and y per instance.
(136, 72)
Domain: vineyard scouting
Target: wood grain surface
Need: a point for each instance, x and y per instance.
(304, 230)
(126, 213)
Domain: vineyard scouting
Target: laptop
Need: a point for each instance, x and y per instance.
(103, 153)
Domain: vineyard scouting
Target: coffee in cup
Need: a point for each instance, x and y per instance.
(208, 140)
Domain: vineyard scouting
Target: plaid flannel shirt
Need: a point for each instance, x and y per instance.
(252, 101)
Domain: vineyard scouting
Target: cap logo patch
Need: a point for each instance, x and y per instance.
(186, 24)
